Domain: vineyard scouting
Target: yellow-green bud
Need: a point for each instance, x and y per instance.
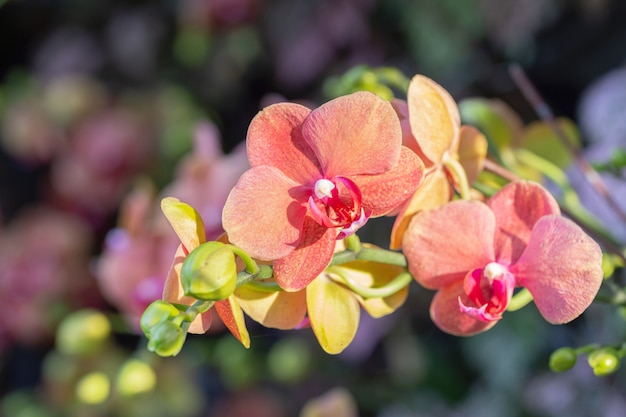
(604, 361)
(209, 272)
(563, 359)
(83, 332)
(135, 377)
(155, 313)
(166, 339)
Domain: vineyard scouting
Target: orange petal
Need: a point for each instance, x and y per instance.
(383, 193)
(354, 134)
(263, 213)
(472, 151)
(276, 309)
(442, 244)
(185, 221)
(434, 191)
(446, 314)
(274, 138)
(231, 314)
(434, 118)
(295, 271)
(561, 267)
(334, 313)
(517, 207)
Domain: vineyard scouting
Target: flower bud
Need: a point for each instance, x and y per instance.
(93, 388)
(563, 359)
(604, 361)
(135, 377)
(166, 339)
(155, 313)
(83, 332)
(209, 272)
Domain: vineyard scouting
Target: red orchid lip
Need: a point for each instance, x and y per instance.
(337, 203)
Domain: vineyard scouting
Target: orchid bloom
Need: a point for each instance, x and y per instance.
(275, 309)
(431, 127)
(315, 177)
(475, 254)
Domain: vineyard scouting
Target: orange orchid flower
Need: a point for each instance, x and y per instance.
(317, 176)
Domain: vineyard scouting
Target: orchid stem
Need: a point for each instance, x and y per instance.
(251, 265)
(392, 287)
(519, 300)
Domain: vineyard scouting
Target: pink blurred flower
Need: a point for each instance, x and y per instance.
(137, 255)
(317, 176)
(44, 259)
(475, 254)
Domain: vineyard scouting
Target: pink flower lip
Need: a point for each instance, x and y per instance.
(337, 203)
(490, 289)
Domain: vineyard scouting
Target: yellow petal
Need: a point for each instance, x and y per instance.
(434, 191)
(434, 117)
(185, 221)
(334, 313)
(472, 152)
(276, 309)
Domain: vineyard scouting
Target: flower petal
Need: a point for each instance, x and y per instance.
(517, 207)
(434, 191)
(295, 271)
(383, 193)
(561, 267)
(354, 134)
(443, 244)
(185, 221)
(263, 213)
(334, 314)
(173, 292)
(434, 118)
(274, 138)
(472, 151)
(276, 309)
(231, 314)
(447, 315)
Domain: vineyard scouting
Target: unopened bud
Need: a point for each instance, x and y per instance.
(209, 272)
(604, 361)
(166, 339)
(83, 332)
(563, 359)
(157, 312)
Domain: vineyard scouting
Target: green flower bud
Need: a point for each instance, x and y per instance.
(604, 361)
(135, 377)
(93, 388)
(209, 272)
(166, 339)
(155, 313)
(563, 359)
(83, 332)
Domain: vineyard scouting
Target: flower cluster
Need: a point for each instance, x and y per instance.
(291, 258)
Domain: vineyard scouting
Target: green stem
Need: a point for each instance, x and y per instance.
(263, 286)
(392, 287)
(382, 256)
(519, 300)
(251, 266)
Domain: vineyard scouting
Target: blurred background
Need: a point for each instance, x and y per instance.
(108, 105)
